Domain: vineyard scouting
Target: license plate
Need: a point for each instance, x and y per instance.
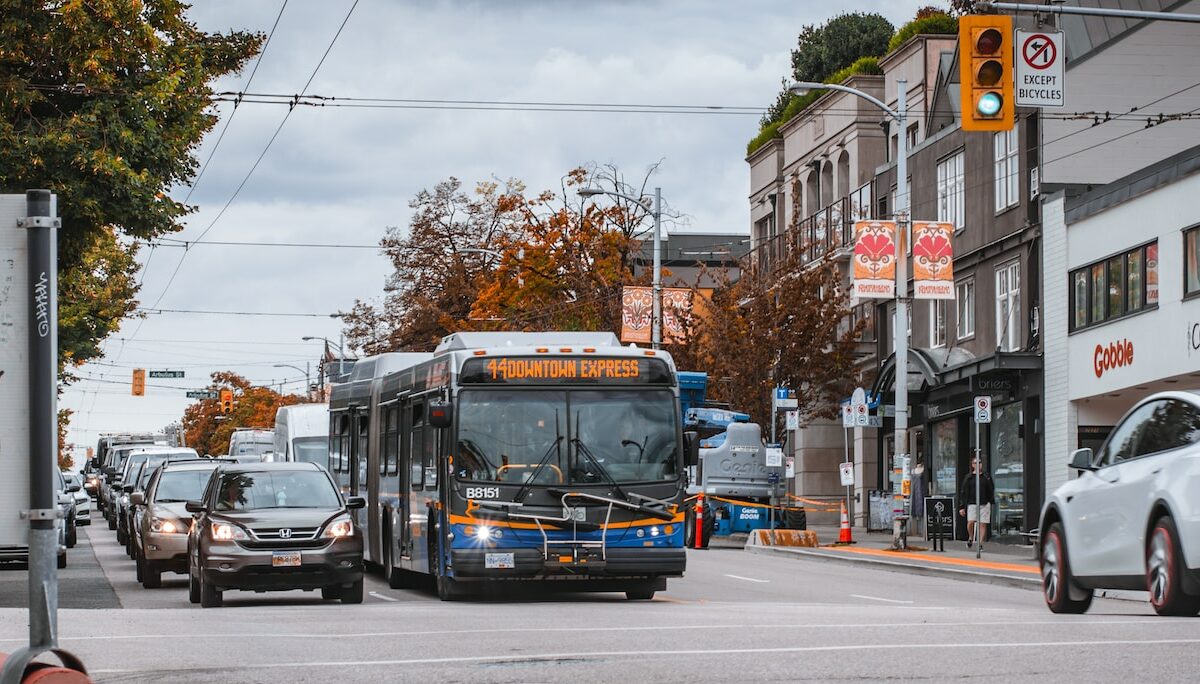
(498, 561)
(285, 559)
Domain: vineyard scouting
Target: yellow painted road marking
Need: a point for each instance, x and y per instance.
(965, 562)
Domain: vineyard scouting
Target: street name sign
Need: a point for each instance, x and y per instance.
(166, 374)
(201, 394)
(1041, 78)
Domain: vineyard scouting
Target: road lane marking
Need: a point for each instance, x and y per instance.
(635, 628)
(510, 658)
(383, 598)
(748, 579)
(879, 599)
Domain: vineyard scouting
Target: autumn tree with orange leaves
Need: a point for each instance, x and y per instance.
(502, 259)
(207, 430)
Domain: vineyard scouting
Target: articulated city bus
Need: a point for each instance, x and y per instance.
(518, 456)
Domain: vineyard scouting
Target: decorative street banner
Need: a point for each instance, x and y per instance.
(874, 259)
(933, 260)
(637, 313)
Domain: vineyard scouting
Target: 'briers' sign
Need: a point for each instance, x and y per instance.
(1041, 80)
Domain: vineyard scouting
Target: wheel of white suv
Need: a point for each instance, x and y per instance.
(1164, 572)
(1057, 582)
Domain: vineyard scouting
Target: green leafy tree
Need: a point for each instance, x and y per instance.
(846, 38)
(105, 102)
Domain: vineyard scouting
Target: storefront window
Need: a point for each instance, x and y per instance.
(1099, 296)
(1080, 301)
(1134, 290)
(944, 462)
(1116, 286)
(1152, 274)
(1191, 260)
(1008, 469)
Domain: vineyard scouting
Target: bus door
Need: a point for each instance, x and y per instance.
(411, 479)
(360, 426)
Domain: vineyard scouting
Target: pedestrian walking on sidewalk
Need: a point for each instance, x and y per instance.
(980, 515)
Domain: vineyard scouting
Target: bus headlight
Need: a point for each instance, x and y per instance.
(486, 533)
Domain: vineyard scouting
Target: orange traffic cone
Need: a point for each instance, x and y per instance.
(844, 536)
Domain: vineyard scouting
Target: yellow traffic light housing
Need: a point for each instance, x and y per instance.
(985, 59)
(139, 382)
(226, 401)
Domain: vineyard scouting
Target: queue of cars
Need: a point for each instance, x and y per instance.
(247, 522)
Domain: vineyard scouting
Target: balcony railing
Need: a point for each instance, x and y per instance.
(828, 230)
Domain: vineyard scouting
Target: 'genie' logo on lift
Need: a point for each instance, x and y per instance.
(1115, 355)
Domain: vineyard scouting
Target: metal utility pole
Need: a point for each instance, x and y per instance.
(1089, 11)
(41, 239)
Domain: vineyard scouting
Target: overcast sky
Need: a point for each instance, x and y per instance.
(342, 175)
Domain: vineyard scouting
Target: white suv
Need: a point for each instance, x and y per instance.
(1131, 520)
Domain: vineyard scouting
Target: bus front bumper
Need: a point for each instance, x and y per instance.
(498, 563)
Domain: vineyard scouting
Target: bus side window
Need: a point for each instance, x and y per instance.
(360, 453)
(430, 456)
(341, 444)
(416, 446)
(387, 441)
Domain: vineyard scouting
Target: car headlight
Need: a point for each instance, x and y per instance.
(162, 526)
(339, 528)
(227, 532)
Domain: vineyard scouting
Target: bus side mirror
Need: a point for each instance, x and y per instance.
(441, 415)
(691, 447)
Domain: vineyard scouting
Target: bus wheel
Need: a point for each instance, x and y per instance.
(448, 589)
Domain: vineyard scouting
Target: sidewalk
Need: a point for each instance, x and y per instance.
(1005, 564)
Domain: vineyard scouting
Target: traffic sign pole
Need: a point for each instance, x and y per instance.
(983, 414)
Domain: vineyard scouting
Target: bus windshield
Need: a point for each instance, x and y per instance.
(582, 437)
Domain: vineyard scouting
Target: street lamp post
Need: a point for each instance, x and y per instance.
(656, 290)
(900, 323)
(321, 368)
(305, 370)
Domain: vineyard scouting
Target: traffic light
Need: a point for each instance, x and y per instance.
(985, 59)
(226, 401)
(139, 382)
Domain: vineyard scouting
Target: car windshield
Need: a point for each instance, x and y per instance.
(182, 485)
(311, 449)
(249, 491)
(583, 437)
(148, 470)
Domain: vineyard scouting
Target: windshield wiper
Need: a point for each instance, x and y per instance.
(520, 496)
(583, 449)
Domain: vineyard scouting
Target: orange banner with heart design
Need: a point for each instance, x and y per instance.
(874, 259)
(933, 260)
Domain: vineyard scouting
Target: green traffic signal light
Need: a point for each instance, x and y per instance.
(989, 104)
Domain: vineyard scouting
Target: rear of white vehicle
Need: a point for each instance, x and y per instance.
(302, 433)
(1131, 520)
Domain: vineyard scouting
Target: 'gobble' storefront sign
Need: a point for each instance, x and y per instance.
(1115, 355)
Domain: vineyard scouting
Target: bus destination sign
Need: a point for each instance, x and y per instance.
(538, 370)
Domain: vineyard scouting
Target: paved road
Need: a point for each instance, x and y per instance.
(735, 617)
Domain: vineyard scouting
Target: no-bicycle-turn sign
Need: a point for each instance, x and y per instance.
(1041, 80)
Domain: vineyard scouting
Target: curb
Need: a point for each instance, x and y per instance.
(1030, 583)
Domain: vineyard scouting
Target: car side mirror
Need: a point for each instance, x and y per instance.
(441, 415)
(72, 488)
(66, 499)
(110, 471)
(194, 506)
(355, 502)
(691, 447)
(1081, 459)
(137, 499)
(127, 488)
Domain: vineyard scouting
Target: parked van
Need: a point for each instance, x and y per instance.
(247, 443)
(302, 433)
